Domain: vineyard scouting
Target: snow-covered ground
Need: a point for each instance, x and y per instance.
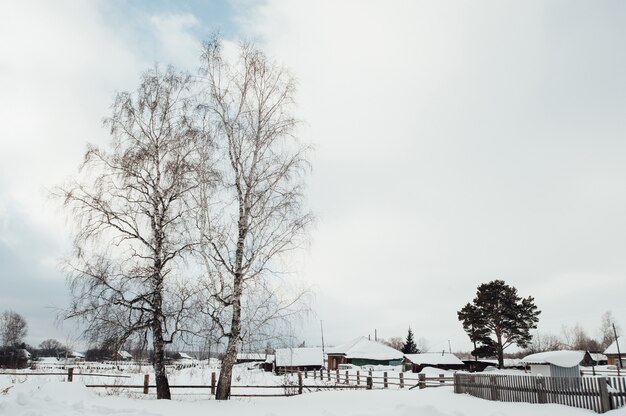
(36, 398)
(25, 395)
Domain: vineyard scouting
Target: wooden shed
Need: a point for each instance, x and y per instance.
(612, 353)
(443, 361)
(294, 359)
(250, 357)
(596, 359)
(362, 351)
(555, 363)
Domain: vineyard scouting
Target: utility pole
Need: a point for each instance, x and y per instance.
(322, 328)
(449, 347)
(375, 335)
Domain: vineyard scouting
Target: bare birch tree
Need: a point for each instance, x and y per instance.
(13, 329)
(258, 214)
(130, 208)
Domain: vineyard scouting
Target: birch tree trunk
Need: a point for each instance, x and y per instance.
(131, 206)
(258, 215)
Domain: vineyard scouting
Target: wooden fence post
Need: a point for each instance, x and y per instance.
(146, 383)
(347, 379)
(605, 400)
(70, 374)
(213, 383)
(541, 390)
(494, 388)
(328, 374)
(315, 374)
(422, 380)
(369, 382)
(299, 382)
(401, 380)
(358, 378)
(441, 376)
(457, 383)
(306, 374)
(385, 384)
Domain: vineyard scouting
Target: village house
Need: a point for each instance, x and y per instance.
(362, 351)
(298, 359)
(444, 361)
(183, 356)
(596, 359)
(122, 356)
(250, 357)
(612, 353)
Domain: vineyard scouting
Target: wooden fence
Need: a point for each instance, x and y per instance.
(602, 372)
(599, 394)
(70, 373)
(368, 380)
(338, 381)
(322, 380)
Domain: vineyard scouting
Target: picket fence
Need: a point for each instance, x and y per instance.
(599, 394)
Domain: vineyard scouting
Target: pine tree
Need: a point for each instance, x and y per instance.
(409, 346)
(497, 311)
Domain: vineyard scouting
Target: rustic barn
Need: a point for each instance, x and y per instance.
(443, 361)
(77, 356)
(477, 365)
(294, 359)
(268, 365)
(250, 357)
(122, 356)
(183, 356)
(362, 351)
(596, 359)
(612, 352)
(555, 363)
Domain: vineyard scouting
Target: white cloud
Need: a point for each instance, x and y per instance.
(179, 47)
(60, 65)
(457, 143)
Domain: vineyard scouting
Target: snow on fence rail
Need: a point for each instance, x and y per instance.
(599, 394)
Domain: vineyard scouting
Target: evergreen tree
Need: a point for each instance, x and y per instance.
(498, 318)
(409, 346)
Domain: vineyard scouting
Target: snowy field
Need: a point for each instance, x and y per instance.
(53, 396)
(36, 398)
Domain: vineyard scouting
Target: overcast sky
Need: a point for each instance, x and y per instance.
(456, 143)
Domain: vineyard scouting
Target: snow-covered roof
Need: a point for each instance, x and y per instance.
(508, 362)
(251, 356)
(434, 358)
(612, 349)
(76, 354)
(48, 360)
(299, 357)
(270, 358)
(558, 358)
(185, 356)
(598, 357)
(364, 348)
(124, 354)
